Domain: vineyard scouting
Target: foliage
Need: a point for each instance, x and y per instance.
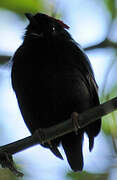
(87, 176)
(111, 6)
(6, 174)
(22, 6)
(109, 123)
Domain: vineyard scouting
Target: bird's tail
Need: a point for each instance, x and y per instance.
(53, 146)
(72, 145)
(92, 131)
(56, 151)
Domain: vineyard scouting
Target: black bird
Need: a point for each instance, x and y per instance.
(52, 78)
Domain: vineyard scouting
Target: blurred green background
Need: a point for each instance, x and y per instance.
(93, 23)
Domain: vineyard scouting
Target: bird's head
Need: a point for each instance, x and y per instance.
(44, 25)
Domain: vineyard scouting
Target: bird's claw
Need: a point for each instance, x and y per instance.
(6, 161)
(75, 122)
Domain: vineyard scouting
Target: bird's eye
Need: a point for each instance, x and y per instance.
(53, 29)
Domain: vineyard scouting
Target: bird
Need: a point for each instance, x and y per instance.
(52, 77)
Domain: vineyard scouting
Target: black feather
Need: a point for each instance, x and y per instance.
(52, 78)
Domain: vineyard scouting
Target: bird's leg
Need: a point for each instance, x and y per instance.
(75, 122)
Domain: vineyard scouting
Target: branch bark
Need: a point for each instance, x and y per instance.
(104, 44)
(43, 135)
(4, 59)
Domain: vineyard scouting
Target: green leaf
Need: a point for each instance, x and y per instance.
(6, 174)
(22, 6)
(109, 122)
(110, 4)
(87, 176)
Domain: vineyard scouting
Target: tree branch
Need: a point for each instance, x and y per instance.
(43, 135)
(104, 44)
(4, 59)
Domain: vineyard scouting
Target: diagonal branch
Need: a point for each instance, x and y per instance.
(43, 135)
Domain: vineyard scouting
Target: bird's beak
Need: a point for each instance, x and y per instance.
(31, 18)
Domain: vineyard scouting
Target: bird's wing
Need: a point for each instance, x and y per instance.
(93, 129)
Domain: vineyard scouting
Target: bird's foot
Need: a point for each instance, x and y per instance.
(6, 161)
(75, 122)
